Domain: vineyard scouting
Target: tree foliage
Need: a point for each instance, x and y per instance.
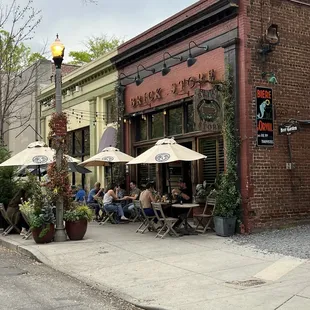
(96, 46)
(17, 24)
(8, 186)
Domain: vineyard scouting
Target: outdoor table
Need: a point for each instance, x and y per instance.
(186, 206)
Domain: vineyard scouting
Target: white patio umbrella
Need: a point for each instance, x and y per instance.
(36, 154)
(107, 157)
(166, 151)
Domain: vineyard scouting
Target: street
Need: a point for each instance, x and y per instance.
(29, 285)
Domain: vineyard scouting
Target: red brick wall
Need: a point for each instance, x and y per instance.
(272, 195)
(166, 24)
(205, 62)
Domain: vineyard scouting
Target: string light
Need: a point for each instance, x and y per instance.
(165, 112)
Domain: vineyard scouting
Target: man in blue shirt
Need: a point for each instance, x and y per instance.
(80, 196)
(92, 202)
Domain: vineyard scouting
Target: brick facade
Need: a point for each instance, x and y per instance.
(271, 194)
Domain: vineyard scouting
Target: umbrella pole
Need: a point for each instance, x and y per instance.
(111, 173)
(169, 180)
(39, 173)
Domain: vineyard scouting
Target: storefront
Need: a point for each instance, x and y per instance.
(173, 91)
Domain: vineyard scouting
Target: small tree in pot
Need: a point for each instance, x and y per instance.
(76, 219)
(228, 197)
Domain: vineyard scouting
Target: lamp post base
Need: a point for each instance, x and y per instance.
(60, 235)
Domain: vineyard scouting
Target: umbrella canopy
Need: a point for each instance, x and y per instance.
(108, 138)
(166, 151)
(72, 167)
(36, 154)
(106, 157)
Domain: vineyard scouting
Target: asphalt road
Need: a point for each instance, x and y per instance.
(28, 285)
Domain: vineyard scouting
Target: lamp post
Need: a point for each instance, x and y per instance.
(57, 49)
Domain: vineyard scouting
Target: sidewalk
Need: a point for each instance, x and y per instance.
(202, 272)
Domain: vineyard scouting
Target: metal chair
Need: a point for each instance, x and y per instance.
(147, 222)
(26, 218)
(137, 211)
(107, 215)
(205, 218)
(11, 225)
(166, 222)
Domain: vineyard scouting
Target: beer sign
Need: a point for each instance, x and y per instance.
(264, 117)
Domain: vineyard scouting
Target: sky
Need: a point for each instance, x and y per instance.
(75, 21)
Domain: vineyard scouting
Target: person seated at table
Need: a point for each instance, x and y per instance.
(121, 193)
(109, 205)
(93, 195)
(181, 195)
(134, 195)
(146, 199)
(80, 195)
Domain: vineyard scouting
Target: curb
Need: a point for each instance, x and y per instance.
(12, 245)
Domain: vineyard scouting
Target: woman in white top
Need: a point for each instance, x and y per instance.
(108, 204)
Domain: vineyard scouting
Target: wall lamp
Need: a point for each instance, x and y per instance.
(122, 87)
(138, 79)
(191, 60)
(165, 70)
(272, 78)
(270, 40)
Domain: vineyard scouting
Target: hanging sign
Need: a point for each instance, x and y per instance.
(287, 129)
(264, 116)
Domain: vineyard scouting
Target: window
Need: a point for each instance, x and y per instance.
(213, 166)
(141, 129)
(145, 172)
(157, 129)
(189, 118)
(175, 117)
(112, 112)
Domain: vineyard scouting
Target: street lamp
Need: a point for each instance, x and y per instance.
(58, 49)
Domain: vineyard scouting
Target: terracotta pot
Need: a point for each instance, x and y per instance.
(48, 237)
(76, 230)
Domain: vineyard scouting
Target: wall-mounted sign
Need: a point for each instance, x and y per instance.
(147, 98)
(207, 110)
(287, 129)
(264, 116)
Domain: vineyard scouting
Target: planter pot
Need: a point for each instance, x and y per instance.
(224, 226)
(76, 230)
(47, 238)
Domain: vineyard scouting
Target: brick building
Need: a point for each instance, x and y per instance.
(262, 41)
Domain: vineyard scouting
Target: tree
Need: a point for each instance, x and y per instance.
(17, 24)
(95, 47)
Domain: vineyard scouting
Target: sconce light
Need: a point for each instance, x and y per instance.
(165, 70)
(122, 87)
(191, 60)
(270, 40)
(272, 78)
(138, 79)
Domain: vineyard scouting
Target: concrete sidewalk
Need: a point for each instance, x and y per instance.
(192, 272)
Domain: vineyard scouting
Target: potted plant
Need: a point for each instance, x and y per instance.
(76, 219)
(42, 224)
(228, 198)
(201, 193)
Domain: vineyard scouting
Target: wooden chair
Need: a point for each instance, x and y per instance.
(137, 211)
(205, 218)
(6, 218)
(107, 215)
(26, 218)
(147, 222)
(166, 222)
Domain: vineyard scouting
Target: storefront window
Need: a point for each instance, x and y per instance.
(146, 172)
(175, 117)
(112, 112)
(189, 121)
(213, 166)
(157, 125)
(141, 129)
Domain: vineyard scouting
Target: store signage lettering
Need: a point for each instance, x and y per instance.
(264, 117)
(180, 88)
(183, 86)
(147, 98)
